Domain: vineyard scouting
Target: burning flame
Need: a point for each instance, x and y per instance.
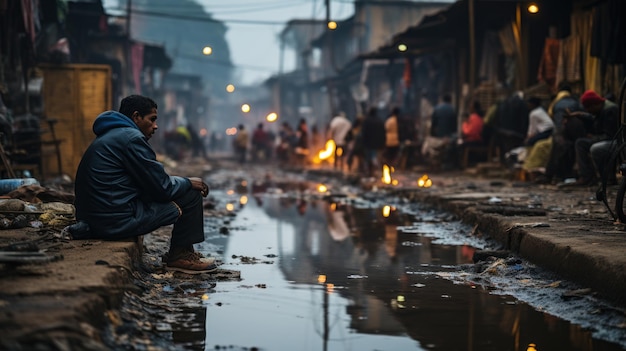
(424, 181)
(329, 150)
(386, 211)
(386, 174)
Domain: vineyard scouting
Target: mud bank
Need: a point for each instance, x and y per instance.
(63, 304)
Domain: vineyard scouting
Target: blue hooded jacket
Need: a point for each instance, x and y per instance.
(121, 189)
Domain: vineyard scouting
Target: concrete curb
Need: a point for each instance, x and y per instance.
(589, 268)
(583, 248)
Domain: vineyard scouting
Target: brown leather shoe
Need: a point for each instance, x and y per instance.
(191, 263)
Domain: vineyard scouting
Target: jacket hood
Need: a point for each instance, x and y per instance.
(110, 120)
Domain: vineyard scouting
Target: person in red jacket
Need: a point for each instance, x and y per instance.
(471, 131)
(472, 128)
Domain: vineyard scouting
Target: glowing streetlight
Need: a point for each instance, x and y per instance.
(332, 25)
(533, 8)
(230, 88)
(207, 50)
(272, 117)
(245, 108)
(402, 47)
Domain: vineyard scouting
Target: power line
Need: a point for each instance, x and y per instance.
(198, 18)
(221, 9)
(212, 61)
(209, 18)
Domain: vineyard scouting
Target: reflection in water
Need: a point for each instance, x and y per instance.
(346, 278)
(190, 328)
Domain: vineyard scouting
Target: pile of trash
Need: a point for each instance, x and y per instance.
(37, 207)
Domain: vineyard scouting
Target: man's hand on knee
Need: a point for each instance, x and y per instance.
(198, 184)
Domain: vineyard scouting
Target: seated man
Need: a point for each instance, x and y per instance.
(438, 147)
(538, 139)
(567, 130)
(122, 191)
(593, 151)
(471, 133)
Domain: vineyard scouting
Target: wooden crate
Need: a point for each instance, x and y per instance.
(74, 95)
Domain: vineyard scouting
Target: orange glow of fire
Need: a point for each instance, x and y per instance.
(322, 188)
(386, 174)
(329, 150)
(386, 211)
(424, 181)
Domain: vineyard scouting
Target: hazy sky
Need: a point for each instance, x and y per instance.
(255, 47)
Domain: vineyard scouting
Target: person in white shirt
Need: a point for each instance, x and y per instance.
(337, 131)
(538, 139)
(540, 125)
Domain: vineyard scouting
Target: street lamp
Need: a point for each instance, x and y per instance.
(272, 117)
(533, 8)
(230, 88)
(332, 25)
(402, 47)
(207, 50)
(245, 108)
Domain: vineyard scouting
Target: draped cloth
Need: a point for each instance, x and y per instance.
(549, 62)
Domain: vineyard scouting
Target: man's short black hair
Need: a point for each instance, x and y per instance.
(141, 104)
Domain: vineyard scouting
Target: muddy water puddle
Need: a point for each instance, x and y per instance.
(324, 275)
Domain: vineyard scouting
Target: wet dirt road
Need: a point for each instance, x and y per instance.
(334, 275)
(358, 271)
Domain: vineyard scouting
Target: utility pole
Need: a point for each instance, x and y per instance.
(129, 5)
(472, 48)
(327, 3)
(331, 56)
(128, 47)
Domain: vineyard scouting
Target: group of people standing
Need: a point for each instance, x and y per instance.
(368, 142)
(287, 146)
(571, 138)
